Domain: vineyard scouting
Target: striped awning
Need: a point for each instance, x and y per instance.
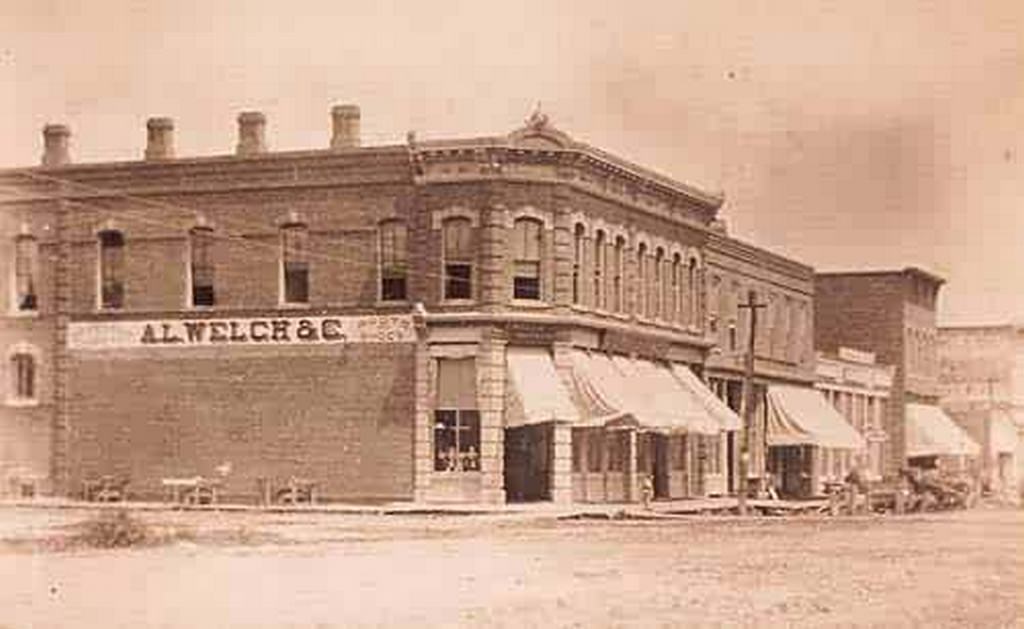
(802, 416)
(642, 392)
(726, 418)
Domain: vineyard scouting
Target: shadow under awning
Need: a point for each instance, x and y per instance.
(931, 432)
(802, 416)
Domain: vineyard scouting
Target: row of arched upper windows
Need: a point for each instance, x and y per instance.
(667, 286)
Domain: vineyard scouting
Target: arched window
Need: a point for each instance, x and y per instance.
(600, 260)
(23, 376)
(295, 263)
(658, 284)
(693, 291)
(459, 253)
(578, 245)
(526, 234)
(26, 253)
(111, 269)
(393, 260)
(619, 264)
(673, 310)
(641, 280)
(201, 265)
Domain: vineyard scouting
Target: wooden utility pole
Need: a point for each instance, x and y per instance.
(749, 400)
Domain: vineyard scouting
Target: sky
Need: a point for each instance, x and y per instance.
(875, 134)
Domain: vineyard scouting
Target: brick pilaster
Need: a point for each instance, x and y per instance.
(60, 433)
(490, 366)
(495, 275)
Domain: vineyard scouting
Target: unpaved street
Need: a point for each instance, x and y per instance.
(962, 569)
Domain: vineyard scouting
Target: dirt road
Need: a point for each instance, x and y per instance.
(962, 569)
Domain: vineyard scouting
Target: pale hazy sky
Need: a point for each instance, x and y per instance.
(868, 134)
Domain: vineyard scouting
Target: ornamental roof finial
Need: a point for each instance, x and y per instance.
(537, 119)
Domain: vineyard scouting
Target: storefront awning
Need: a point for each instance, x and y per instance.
(1004, 433)
(930, 432)
(669, 405)
(640, 392)
(802, 416)
(597, 389)
(726, 418)
(536, 392)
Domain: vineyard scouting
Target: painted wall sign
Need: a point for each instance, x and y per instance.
(99, 335)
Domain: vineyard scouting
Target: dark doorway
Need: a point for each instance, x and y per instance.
(791, 465)
(529, 451)
(661, 466)
(730, 459)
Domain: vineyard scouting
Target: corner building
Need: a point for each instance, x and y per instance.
(522, 317)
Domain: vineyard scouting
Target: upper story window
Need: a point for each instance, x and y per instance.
(693, 291)
(23, 376)
(672, 308)
(26, 253)
(295, 263)
(393, 261)
(578, 243)
(111, 269)
(526, 234)
(641, 280)
(600, 261)
(201, 265)
(658, 284)
(619, 268)
(459, 253)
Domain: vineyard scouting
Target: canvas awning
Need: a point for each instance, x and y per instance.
(930, 432)
(536, 392)
(726, 418)
(640, 392)
(598, 391)
(669, 405)
(1004, 433)
(802, 416)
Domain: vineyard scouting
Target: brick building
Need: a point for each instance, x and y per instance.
(981, 379)
(891, 314)
(516, 317)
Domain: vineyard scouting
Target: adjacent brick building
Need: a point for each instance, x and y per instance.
(514, 317)
(891, 314)
(982, 384)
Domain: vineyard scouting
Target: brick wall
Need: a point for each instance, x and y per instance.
(342, 417)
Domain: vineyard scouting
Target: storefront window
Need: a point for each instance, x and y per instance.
(456, 440)
(456, 418)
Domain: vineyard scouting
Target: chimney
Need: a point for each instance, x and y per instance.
(55, 145)
(346, 126)
(159, 138)
(251, 141)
